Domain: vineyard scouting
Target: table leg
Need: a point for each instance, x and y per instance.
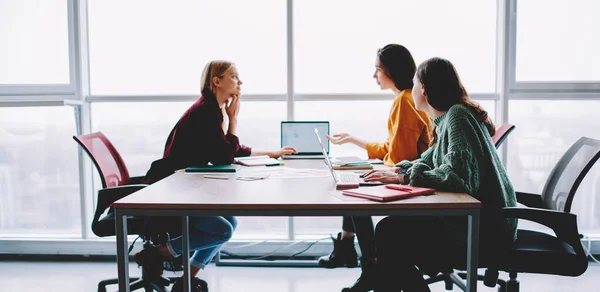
(122, 254)
(472, 251)
(186, 253)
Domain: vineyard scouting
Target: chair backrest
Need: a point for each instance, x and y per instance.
(109, 163)
(567, 174)
(502, 133)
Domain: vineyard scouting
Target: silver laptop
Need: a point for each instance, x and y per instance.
(342, 177)
(298, 134)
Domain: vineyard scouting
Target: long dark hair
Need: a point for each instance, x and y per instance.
(398, 64)
(444, 89)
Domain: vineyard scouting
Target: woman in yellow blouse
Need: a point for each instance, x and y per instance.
(408, 137)
(408, 134)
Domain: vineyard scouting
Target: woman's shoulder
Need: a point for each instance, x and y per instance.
(460, 110)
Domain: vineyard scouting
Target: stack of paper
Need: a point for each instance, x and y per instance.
(341, 163)
(260, 160)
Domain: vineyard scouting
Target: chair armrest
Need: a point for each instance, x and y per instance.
(563, 224)
(529, 200)
(134, 180)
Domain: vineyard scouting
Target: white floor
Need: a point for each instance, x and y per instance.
(76, 276)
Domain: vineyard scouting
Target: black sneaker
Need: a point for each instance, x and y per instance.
(150, 259)
(198, 285)
(343, 254)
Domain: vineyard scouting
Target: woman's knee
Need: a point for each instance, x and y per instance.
(233, 221)
(229, 225)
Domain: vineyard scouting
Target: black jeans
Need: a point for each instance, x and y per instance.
(405, 243)
(362, 226)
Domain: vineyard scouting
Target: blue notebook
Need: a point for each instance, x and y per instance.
(213, 168)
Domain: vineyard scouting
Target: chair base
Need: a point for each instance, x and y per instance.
(147, 283)
(451, 279)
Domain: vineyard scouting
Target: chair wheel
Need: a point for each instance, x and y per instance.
(512, 286)
(501, 289)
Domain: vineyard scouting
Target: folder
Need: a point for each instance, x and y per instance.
(388, 193)
(213, 168)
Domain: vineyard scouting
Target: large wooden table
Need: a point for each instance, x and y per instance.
(187, 195)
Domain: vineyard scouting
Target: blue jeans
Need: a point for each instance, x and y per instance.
(207, 236)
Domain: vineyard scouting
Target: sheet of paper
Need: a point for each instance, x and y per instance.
(283, 172)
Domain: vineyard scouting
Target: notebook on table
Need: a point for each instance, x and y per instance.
(298, 134)
(213, 168)
(388, 193)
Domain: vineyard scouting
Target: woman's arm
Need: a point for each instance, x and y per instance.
(343, 138)
(459, 168)
(275, 154)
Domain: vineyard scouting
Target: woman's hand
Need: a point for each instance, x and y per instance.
(283, 151)
(384, 176)
(233, 108)
(341, 138)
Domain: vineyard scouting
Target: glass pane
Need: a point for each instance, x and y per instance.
(39, 174)
(366, 119)
(335, 42)
(139, 131)
(558, 41)
(175, 39)
(544, 131)
(35, 42)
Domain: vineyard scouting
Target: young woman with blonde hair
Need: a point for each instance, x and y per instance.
(201, 137)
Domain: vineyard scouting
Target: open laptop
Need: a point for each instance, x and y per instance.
(298, 134)
(343, 179)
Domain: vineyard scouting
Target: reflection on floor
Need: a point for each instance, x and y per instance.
(77, 276)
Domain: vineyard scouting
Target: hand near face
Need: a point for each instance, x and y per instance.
(339, 139)
(233, 108)
(286, 150)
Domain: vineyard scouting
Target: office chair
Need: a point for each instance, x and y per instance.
(117, 184)
(538, 252)
(502, 133)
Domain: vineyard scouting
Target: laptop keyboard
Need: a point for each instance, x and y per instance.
(349, 178)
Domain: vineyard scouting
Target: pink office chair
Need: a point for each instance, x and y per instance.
(116, 184)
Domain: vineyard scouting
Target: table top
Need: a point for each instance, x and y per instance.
(304, 185)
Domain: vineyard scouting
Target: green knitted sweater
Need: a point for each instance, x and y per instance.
(464, 160)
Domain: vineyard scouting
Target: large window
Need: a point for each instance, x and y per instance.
(558, 41)
(545, 130)
(141, 47)
(39, 177)
(35, 42)
(335, 42)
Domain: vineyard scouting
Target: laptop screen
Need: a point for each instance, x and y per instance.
(327, 160)
(300, 135)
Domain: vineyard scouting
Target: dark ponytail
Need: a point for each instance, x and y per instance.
(444, 89)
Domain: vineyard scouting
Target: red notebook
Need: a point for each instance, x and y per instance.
(388, 193)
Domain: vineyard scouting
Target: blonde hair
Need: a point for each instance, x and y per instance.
(213, 69)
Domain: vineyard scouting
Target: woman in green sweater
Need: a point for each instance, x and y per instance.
(462, 158)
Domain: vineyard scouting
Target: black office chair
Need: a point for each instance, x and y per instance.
(117, 184)
(538, 252)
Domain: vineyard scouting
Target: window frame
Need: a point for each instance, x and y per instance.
(520, 88)
(48, 92)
